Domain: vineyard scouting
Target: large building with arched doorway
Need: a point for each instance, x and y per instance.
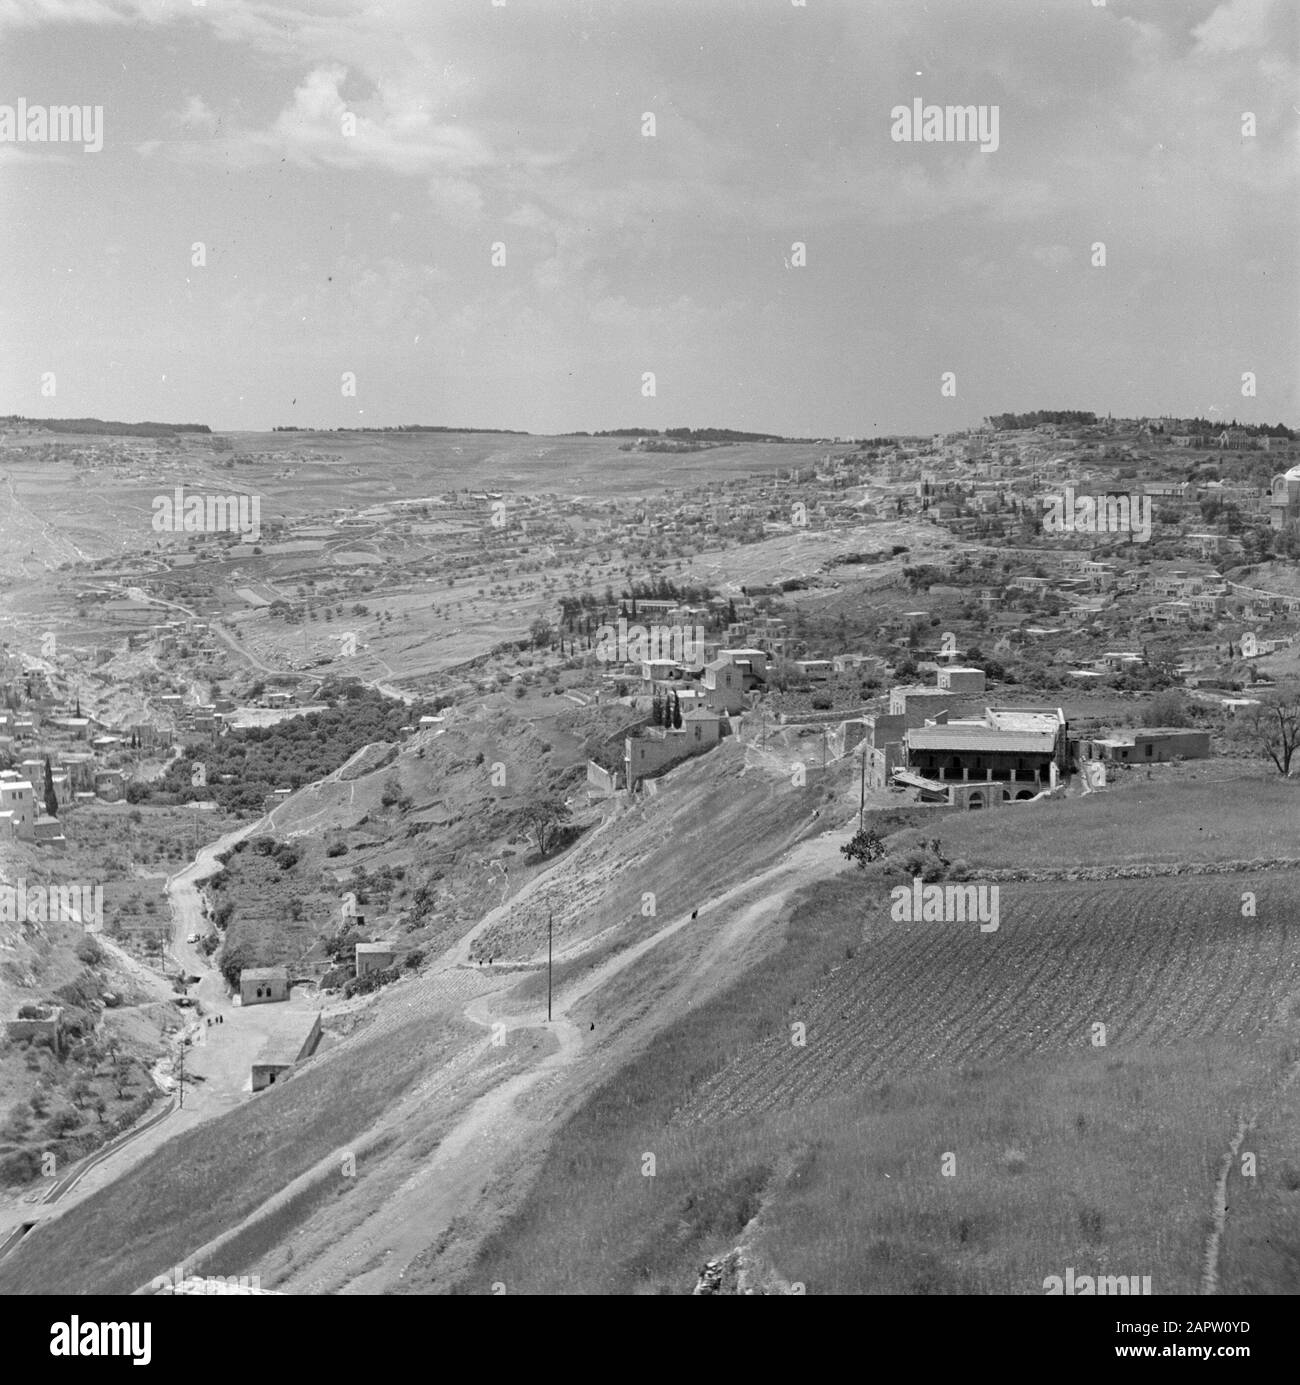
(1011, 754)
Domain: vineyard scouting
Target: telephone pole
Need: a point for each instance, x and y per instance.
(182, 1081)
(862, 799)
(549, 921)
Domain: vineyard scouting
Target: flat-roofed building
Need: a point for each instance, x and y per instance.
(1148, 745)
(291, 1044)
(258, 985)
(961, 679)
(373, 957)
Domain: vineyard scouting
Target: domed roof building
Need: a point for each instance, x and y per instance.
(1284, 499)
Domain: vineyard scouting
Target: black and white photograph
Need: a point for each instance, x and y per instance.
(649, 648)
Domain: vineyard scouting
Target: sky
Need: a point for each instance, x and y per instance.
(296, 209)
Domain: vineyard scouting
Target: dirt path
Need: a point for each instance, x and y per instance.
(499, 1130)
(1219, 1203)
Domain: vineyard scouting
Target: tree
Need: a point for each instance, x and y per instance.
(677, 712)
(120, 1070)
(51, 798)
(1169, 709)
(234, 960)
(544, 815)
(1273, 730)
(540, 632)
(864, 846)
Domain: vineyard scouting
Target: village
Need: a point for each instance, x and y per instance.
(903, 609)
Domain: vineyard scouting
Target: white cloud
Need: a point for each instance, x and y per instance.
(1052, 256)
(197, 116)
(457, 199)
(1236, 25)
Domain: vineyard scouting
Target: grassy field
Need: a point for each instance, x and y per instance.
(1239, 817)
(1261, 1245)
(926, 1040)
(197, 1186)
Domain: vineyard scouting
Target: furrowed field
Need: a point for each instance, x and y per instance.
(926, 1040)
(1155, 961)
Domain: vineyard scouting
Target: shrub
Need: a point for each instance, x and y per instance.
(62, 1122)
(904, 866)
(17, 1122)
(77, 1021)
(19, 1167)
(337, 849)
(89, 952)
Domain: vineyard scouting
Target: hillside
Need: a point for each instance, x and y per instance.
(752, 808)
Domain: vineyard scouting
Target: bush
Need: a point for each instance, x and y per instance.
(89, 952)
(337, 849)
(17, 1123)
(371, 981)
(414, 958)
(905, 866)
(77, 1021)
(62, 1123)
(234, 960)
(19, 1167)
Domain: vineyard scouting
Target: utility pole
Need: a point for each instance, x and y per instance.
(862, 800)
(549, 921)
(182, 1081)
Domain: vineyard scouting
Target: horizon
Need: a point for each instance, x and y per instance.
(416, 429)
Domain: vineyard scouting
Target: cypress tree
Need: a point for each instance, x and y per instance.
(51, 798)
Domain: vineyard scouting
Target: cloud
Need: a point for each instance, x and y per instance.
(457, 199)
(1237, 25)
(1052, 256)
(391, 131)
(22, 14)
(197, 117)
